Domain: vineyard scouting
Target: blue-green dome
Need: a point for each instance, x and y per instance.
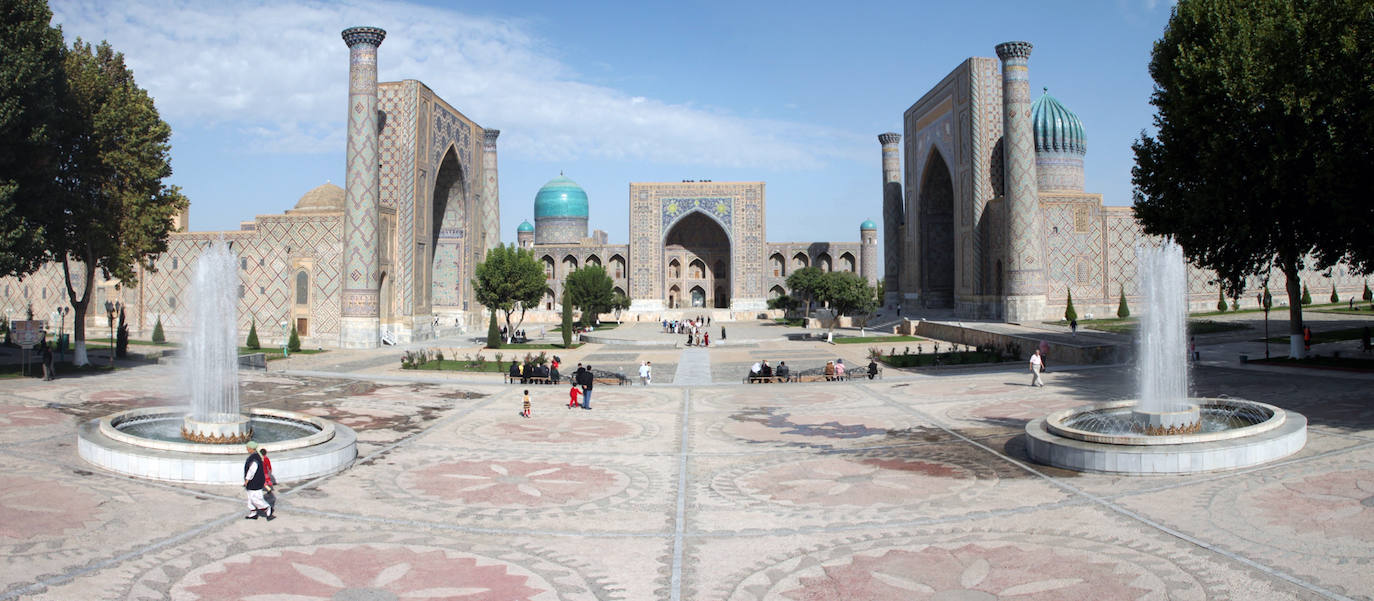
(525, 227)
(868, 225)
(1057, 129)
(561, 197)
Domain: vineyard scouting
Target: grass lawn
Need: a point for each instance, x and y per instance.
(533, 346)
(132, 341)
(276, 353)
(1361, 308)
(929, 359)
(460, 365)
(867, 339)
(1342, 363)
(1327, 336)
(605, 325)
(1128, 326)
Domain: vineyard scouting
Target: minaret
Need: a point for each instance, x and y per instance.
(868, 252)
(491, 196)
(894, 217)
(1025, 254)
(360, 324)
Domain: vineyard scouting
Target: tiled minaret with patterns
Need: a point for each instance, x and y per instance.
(1025, 254)
(892, 217)
(360, 320)
(868, 252)
(491, 197)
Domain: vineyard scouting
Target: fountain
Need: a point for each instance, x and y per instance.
(1165, 430)
(203, 442)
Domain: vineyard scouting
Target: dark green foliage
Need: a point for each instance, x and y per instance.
(804, 283)
(1123, 311)
(252, 341)
(567, 320)
(510, 279)
(158, 336)
(784, 302)
(122, 337)
(1306, 296)
(1335, 298)
(591, 291)
(493, 332)
(1268, 299)
(1069, 313)
(293, 343)
(1368, 294)
(846, 293)
(1221, 301)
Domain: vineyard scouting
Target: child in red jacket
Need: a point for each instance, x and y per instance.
(572, 397)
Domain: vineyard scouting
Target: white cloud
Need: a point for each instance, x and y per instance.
(277, 71)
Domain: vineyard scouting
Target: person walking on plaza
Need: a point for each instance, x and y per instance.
(1073, 326)
(526, 411)
(644, 373)
(587, 380)
(573, 391)
(254, 480)
(722, 332)
(1306, 338)
(1035, 364)
(705, 338)
(47, 361)
(269, 483)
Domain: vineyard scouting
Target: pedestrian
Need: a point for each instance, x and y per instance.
(1306, 338)
(782, 371)
(1044, 357)
(526, 411)
(588, 380)
(514, 371)
(47, 361)
(572, 397)
(689, 338)
(829, 371)
(839, 369)
(270, 495)
(1035, 364)
(1073, 326)
(254, 480)
(705, 339)
(644, 373)
(722, 332)
(872, 368)
(1192, 347)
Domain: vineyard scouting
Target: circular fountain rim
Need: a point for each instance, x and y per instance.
(109, 423)
(1054, 422)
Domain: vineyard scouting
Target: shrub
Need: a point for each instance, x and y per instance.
(158, 336)
(499, 356)
(1221, 301)
(567, 320)
(1306, 296)
(122, 337)
(493, 332)
(252, 342)
(1335, 298)
(1368, 294)
(1122, 310)
(1069, 313)
(293, 343)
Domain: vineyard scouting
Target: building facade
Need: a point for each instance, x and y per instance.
(989, 218)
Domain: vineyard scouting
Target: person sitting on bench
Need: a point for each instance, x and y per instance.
(783, 371)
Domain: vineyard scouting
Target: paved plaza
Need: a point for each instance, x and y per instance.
(915, 486)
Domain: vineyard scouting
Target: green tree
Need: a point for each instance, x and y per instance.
(1306, 296)
(1368, 294)
(619, 302)
(567, 320)
(804, 285)
(1122, 310)
(784, 302)
(1268, 299)
(1335, 298)
(1069, 313)
(158, 335)
(293, 344)
(493, 332)
(1221, 300)
(32, 85)
(115, 209)
(846, 294)
(510, 279)
(1271, 85)
(591, 291)
(252, 341)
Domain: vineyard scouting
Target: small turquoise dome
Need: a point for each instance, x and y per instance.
(1057, 129)
(868, 225)
(525, 227)
(561, 197)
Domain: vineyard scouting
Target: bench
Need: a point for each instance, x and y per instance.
(614, 381)
(752, 379)
(506, 378)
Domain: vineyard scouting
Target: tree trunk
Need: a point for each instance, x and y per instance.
(79, 307)
(1294, 286)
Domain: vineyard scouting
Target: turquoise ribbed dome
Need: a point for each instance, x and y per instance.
(561, 197)
(525, 227)
(868, 225)
(1057, 129)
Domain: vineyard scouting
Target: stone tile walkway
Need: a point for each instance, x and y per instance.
(694, 369)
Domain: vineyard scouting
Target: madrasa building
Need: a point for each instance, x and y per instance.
(988, 217)
(694, 246)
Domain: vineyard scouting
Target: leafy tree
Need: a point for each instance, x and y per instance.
(846, 294)
(122, 337)
(804, 284)
(784, 302)
(1268, 299)
(293, 344)
(1335, 298)
(32, 85)
(591, 291)
(567, 320)
(1368, 294)
(1122, 310)
(1221, 300)
(252, 341)
(510, 279)
(1271, 85)
(1306, 296)
(619, 302)
(1069, 313)
(493, 332)
(115, 209)
(158, 336)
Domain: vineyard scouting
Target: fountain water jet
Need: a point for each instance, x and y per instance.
(211, 367)
(1165, 431)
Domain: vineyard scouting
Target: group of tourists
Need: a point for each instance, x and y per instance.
(530, 371)
(258, 481)
(646, 373)
(761, 371)
(695, 329)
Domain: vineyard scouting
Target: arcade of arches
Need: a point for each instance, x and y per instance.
(698, 254)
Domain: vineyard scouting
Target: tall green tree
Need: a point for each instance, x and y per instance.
(1262, 134)
(493, 332)
(1122, 310)
(114, 209)
(591, 290)
(847, 294)
(32, 86)
(1070, 314)
(509, 280)
(252, 341)
(804, 284)
(567, 320)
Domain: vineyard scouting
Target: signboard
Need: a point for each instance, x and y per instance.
(27, 333)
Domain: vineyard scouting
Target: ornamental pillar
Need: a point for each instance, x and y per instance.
(490, 235)
(893, 218)
(1024, 263)
(360, 324)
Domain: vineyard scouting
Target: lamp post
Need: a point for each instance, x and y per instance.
(285, 341)
(109, 314)
(61, 327)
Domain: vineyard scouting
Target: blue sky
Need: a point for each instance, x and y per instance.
(790, 93)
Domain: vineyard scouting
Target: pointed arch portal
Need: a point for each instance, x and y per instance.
(697, 240)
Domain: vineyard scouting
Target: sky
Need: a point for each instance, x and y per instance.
(790, 93)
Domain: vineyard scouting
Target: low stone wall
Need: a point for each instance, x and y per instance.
(1060, 353)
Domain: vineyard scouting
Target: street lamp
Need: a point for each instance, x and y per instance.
(285, 341)
(61, 326)
(109, 314)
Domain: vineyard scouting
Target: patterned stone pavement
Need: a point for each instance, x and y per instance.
(905, 488)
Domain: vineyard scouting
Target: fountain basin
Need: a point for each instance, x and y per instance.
(146, 443)
(1266, 433)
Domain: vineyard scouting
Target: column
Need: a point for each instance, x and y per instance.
(893, 218)
(360, 324)
(491, 199)
(1024, 265)
(868, 253)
